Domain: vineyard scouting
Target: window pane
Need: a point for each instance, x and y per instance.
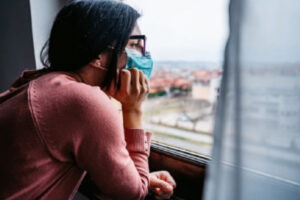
(258, 151)
(186, 40)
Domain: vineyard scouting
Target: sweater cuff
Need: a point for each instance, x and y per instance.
(138, 140)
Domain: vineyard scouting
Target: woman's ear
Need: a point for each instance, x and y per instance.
(95, 63)
(100, 62)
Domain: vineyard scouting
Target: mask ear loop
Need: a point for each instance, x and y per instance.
(118, 71)
(99, 66)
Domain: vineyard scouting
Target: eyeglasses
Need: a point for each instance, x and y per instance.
(137, 42)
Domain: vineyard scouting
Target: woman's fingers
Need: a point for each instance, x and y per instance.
(147, 83)
(133, 88)
(142, 83)
(163, 185)
(135, 80)
(160, 195)
(125, 82)
(166, 176)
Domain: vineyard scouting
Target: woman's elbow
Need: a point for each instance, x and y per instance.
(141, 190)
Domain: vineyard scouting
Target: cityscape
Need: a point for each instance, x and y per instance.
(181, 104)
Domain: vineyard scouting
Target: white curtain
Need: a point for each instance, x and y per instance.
(256, 153)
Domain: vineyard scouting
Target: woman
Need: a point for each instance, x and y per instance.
(58, 123)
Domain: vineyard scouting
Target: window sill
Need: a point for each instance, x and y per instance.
(180, 154)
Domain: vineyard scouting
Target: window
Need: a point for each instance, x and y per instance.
(257, 154)
(186, 40)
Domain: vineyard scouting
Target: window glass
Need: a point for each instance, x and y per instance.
(186, 41)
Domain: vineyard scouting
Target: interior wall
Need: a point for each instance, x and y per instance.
(16, 44)
(25, 27)
(42, 17)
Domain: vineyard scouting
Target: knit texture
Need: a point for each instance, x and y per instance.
(54, 129)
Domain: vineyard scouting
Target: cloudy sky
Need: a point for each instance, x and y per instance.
(187, 30)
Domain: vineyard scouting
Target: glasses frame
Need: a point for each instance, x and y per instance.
(136, 37)
(140, 37)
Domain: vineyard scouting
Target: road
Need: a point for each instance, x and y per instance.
(188, 143)
(180, 133)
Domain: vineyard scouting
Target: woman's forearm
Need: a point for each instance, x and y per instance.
(133, 118)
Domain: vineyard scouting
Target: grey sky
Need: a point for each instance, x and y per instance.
(189, 30)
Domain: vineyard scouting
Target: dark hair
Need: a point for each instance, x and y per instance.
(85, 28)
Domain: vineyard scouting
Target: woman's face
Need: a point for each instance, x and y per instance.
(122, 61)
(135, 44)
(132, 44)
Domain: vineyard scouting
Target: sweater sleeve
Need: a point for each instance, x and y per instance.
(84, 127)
(120, 170)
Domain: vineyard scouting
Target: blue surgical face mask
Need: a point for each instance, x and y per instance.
(136, 59)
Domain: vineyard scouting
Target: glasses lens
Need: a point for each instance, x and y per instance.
(137, 42)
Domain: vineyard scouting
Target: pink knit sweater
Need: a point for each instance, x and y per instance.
(54, 129)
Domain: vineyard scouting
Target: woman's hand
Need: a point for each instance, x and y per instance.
(162, 184)
(134, 87)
